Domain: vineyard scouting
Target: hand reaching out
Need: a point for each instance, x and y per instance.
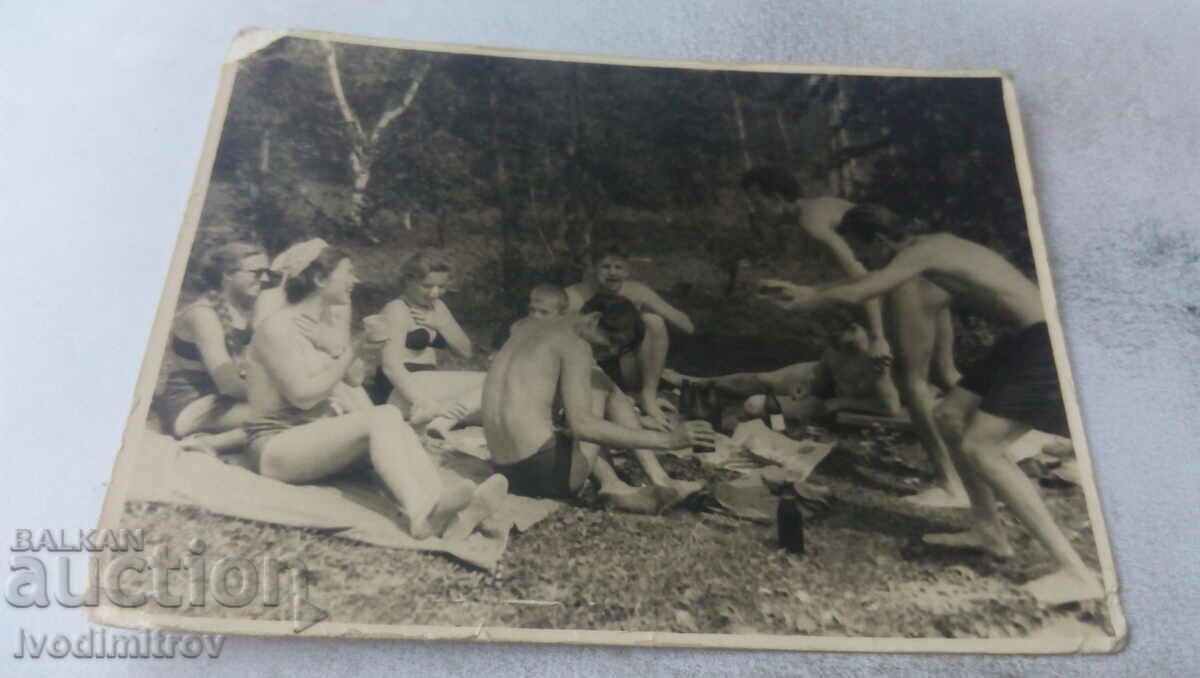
(788, 296)
(693, 433)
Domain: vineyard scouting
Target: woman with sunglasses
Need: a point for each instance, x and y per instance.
(205, 388)
(300, 433)
(416, 325)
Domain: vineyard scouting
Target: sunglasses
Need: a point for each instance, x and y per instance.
(263, 273)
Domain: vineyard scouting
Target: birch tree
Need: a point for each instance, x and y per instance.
(364, 139)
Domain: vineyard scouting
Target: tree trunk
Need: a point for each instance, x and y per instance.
(364, 144)
(264, 153)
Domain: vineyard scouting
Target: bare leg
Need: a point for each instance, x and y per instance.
(912, 331)
(647, 368)
(590, 461)
(783, 381)
(945, 372)
(986, 442)
(460, 392)
(986, 532)
(620, 411)
(321, 448)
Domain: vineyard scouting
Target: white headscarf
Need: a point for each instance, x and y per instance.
(296, 258)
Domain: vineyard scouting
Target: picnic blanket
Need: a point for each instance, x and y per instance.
(355, 506)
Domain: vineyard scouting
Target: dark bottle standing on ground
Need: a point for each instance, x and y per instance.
(789, 523)
(773, 414)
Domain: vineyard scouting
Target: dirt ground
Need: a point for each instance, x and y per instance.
(865, 571)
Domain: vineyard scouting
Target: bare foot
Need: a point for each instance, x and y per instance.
(937, 497)
(645, 500)
(1065, 586)
(452, 500)
(983, 539)
(485, 501)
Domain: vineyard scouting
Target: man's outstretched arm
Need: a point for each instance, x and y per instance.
(904, 267)
(854, 270)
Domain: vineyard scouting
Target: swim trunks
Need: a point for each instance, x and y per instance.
(1018, 380)
(261, 430)
(547, 473)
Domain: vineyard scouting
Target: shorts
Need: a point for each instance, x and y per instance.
(547, 473)
(261, 430)
(189, 398)
(1018, 380)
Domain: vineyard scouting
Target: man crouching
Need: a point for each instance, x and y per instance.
(548, 409)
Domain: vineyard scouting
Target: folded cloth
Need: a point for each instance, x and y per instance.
(164, 472)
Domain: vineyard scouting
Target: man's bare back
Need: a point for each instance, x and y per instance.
(979, 278)
(520, 393)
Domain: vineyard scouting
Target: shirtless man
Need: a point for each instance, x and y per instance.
(547, 368)
(1014, 388)
(913, 319)
(638, 371)
(845, 378)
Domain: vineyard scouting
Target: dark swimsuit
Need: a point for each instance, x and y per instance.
(185, 386)
(416, 340)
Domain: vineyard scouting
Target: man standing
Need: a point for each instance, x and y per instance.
(913, 319)
(1014, 388)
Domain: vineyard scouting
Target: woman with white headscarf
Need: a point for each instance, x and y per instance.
(300, 355)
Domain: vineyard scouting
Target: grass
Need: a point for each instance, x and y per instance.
(865, 571)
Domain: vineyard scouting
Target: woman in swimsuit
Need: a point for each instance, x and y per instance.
(205, 388)
(299, 359)
(416, 325)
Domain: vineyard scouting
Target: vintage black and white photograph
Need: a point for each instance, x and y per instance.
(512, 346)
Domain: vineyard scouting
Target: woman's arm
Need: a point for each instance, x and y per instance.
(399, 323)
(209, 337)
(456, 338)
(280, 356)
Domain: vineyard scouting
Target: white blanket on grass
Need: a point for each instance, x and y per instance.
(354, 508)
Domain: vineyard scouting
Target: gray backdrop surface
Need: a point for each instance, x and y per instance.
(103, 108)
